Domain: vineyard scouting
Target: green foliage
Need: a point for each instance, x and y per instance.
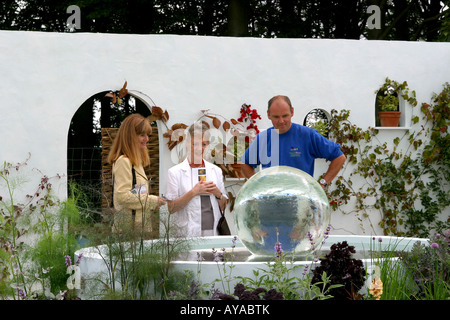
(77, 208)
(397, 281)
(36, 269)
(12, 276)
(57, 233)
(321, 126)
(409, 180)
(185, 287)
(49, 254)
(274, 282)
(391, 90)
(139, 270)
(278, 276)
(429, 267)
(138, 267)
(388, 103)
(421, 273)
(42, 261)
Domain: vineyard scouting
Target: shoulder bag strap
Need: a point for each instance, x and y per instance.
(112, 196)
(133, 172)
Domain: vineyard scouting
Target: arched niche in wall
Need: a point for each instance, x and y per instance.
(318, 119)
(84, 145)
(400, 106)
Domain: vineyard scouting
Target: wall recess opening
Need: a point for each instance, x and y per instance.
(390, 101)
(318, 119)
(84, 146)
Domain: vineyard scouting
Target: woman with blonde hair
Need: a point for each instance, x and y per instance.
(129, 156)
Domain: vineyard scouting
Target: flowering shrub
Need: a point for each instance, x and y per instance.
(36, 269)
(430, 266)
(343, 269)
(278, 276)
(249, 115)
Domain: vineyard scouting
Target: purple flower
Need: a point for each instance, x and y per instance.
(305, 270)
(200, 257)
(311, 240)
(434, 245)
(79, 259)
(278, 249)
(21, 294)
(215, 255)
(234, 242)
(162, 281)
(327, 231)
(68, 261)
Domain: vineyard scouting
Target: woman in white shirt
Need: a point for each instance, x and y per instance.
(195, 189)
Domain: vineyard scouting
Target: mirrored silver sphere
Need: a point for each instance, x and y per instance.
(281, 204)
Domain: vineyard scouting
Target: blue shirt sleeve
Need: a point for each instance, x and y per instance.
(324, 148)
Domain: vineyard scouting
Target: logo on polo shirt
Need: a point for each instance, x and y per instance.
(294, 152)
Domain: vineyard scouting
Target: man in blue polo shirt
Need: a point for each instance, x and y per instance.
(291, 144)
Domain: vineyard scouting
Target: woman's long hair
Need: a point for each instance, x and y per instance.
(126, 141)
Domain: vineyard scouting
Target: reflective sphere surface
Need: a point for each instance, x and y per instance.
(281, 204)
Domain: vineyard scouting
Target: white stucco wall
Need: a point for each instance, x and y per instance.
(47, 76)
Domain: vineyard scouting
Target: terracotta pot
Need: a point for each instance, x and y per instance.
(389, 118)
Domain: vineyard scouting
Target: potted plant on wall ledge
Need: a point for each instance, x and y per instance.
(389, 114)
(388, 102)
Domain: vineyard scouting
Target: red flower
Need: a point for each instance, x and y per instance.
(250, 116)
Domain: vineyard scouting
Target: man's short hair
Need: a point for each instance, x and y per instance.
(285, 98)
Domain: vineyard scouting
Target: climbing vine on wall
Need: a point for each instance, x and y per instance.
(407, 179)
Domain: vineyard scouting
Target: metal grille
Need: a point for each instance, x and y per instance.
(85, 163)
